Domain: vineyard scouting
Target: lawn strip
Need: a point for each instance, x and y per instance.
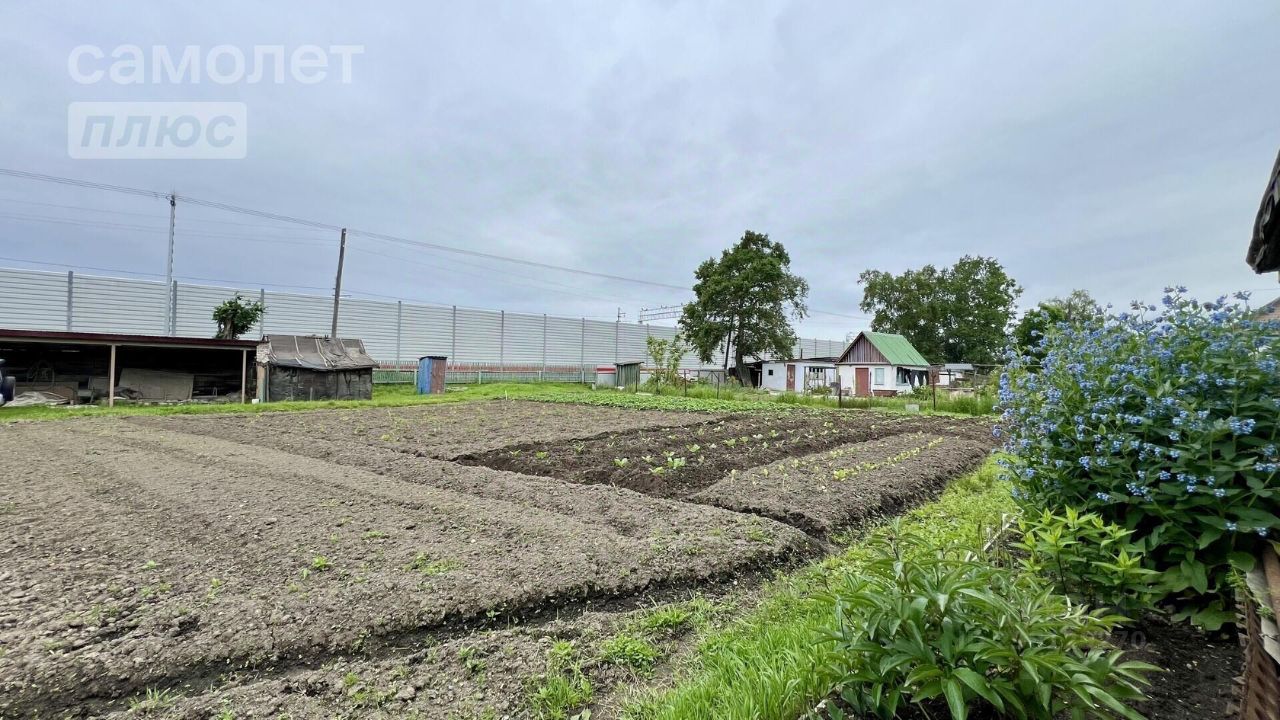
(771, 663)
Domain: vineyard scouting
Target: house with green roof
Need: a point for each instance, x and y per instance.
(877, 363)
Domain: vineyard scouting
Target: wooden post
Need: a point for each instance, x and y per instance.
(244, 376)
(337, 283)
(111, 379)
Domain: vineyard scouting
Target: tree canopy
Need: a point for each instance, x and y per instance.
(956, 314)
(1075, 309)
(744, 302)
(236, 316)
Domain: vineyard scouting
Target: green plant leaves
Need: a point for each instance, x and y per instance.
(950, 625)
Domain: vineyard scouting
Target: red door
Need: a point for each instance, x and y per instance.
(863, 385)
(791, 377)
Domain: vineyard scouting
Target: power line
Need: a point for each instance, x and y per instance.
(226, 207)
(277, 217)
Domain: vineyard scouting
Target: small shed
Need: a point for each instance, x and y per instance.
(311, 367)
(951, 374)
(877, 363)
(798, 375)
(628, 374)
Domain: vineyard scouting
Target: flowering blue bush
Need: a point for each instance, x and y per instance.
(1163, 420)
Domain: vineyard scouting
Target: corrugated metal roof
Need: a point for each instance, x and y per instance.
(91, 338)
(896, 349)
(313, 352)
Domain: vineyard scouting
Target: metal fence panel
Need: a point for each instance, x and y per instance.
(600, 339)
(119, 305)
(479, 337)
(196, 303)
(33, 300)
(371, 321)
(564, 341)
(289, 314)
(427, 330)
(522, 339)
(392, 332)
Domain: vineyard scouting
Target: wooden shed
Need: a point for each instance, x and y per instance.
(311, 367)
(877, 363)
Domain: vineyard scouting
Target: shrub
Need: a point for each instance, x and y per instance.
(948, 631)
(1164, 421)
(1088, 559)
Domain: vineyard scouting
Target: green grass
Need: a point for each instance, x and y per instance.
(770, 663)
(700, 398)
(630, 651)
(564, 687)
(383, 396)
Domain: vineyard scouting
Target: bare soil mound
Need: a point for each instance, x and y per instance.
(678, 462)
(849, 485)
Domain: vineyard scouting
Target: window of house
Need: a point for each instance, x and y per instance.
(879, 376)
(770, 372)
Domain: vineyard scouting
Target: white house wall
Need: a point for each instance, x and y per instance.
(848, 373)
(778, 381)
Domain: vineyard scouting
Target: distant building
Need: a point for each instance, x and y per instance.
(800, 375)
(878, 363)
(952, 374)
(310, 367)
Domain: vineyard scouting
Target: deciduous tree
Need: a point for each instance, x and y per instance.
(745, 300)
(236, 316)
(956, 314)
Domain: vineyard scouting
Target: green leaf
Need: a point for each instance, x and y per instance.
(978, 684)
(955, 699)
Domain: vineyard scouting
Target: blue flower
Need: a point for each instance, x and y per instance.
(1231, 526)
(1262, 532)
(1103, 497)
(1241, 426)
(1219, 493)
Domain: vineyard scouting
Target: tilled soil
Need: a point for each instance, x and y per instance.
(444, 430)
(339, 564)
(849, 485)
(135, 558)
(681, 461)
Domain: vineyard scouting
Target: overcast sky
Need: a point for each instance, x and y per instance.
(1116, 147)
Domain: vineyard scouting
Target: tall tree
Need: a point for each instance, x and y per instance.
(1074, 309)
(744, 302)
(1037, 323)
(956, 314)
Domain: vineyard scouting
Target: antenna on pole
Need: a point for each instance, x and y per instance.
(337, 284)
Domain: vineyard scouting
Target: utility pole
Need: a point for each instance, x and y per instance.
(168, 266)
(337, 285)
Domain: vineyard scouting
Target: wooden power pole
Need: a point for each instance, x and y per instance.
(337, 285)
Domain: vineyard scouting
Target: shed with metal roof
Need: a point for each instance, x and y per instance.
(311, 367)
(878, 363)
